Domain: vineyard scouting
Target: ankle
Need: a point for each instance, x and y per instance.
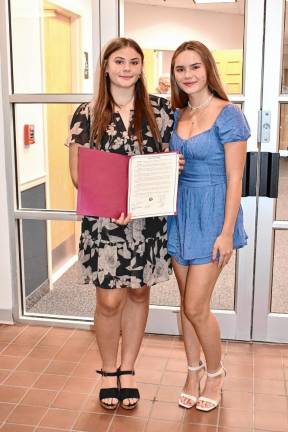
(220, 371)
(109, 368)
(127, 367)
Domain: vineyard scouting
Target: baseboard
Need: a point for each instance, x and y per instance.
(6, 316)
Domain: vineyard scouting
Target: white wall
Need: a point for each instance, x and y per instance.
(5, 252)
(165, 28)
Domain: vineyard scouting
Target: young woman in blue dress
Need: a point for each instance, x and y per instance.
(211, 134)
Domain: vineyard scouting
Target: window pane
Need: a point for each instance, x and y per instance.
(279, 283)
(167, 293)
(282, 204)
(159, 29)
(54, 283)
(43, 166)
(52, 43)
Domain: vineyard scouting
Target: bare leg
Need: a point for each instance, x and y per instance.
(200, 283)
(191, 342)
(109, 306)
(134, 318)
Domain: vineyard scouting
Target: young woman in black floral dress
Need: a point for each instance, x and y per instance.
(123, 257)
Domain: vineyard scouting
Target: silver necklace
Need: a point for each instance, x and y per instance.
(203, 105)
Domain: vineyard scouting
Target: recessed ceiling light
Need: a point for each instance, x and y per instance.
(214, 1)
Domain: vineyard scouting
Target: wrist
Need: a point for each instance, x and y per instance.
(227, 233)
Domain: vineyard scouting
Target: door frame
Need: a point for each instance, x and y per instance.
(234, 324)
(237, 323)
(268, 326)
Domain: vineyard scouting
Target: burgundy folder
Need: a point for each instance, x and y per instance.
(102, 183)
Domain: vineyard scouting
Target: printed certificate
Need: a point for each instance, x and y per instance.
(153, 182)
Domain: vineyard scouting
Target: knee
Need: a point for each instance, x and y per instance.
(196, 314)
(139, 295)
(109, 306)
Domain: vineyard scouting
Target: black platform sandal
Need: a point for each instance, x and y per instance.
(128, 393)
(107, 393)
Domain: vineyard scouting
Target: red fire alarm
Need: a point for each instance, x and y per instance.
(29, 135)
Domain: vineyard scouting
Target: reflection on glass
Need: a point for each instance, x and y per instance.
(53, 280)
(52, 43)
(43, 167)
(279, 302)
(282, 205)
(169, 27)
(167, 293)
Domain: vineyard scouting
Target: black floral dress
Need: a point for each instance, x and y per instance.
(133, 255)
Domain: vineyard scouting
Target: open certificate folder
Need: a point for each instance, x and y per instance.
(110, 183)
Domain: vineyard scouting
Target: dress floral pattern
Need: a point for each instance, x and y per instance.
(134, 255)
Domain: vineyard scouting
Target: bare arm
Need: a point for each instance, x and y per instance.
(73, 163)
(235, 156)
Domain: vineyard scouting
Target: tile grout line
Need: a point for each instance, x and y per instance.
(41, 373)
(65, 382)
(162, 370)
(14, 370)
(89, 394)
(24, 358)
(12, 341)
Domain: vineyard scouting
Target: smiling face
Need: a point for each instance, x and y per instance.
(190, 73)
(124, 67)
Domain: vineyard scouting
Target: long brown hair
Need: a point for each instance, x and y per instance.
(103, 107)
(179, 98)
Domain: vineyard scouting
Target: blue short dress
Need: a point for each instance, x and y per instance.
(202, 189)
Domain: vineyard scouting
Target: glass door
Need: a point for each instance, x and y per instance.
(270, 319)
(234, 33)
(252, 291)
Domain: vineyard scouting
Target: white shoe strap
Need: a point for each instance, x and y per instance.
(219, 372)
(211, 401)
(196, 368)
(190, 397)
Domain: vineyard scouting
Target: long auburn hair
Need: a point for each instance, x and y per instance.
(105, 103)
(179, 98)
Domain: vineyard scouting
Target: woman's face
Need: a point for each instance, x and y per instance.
(124, 67)
(190, 73)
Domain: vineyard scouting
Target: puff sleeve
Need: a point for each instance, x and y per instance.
(232, 125)
(79, 131)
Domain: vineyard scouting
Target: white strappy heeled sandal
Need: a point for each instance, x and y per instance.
(213, 403)
(191, 398)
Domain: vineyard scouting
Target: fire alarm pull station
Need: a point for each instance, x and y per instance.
(29, 135)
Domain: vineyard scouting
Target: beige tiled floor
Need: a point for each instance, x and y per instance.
(48, 384)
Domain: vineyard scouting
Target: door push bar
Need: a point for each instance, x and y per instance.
(268, 175)
(268, 164)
